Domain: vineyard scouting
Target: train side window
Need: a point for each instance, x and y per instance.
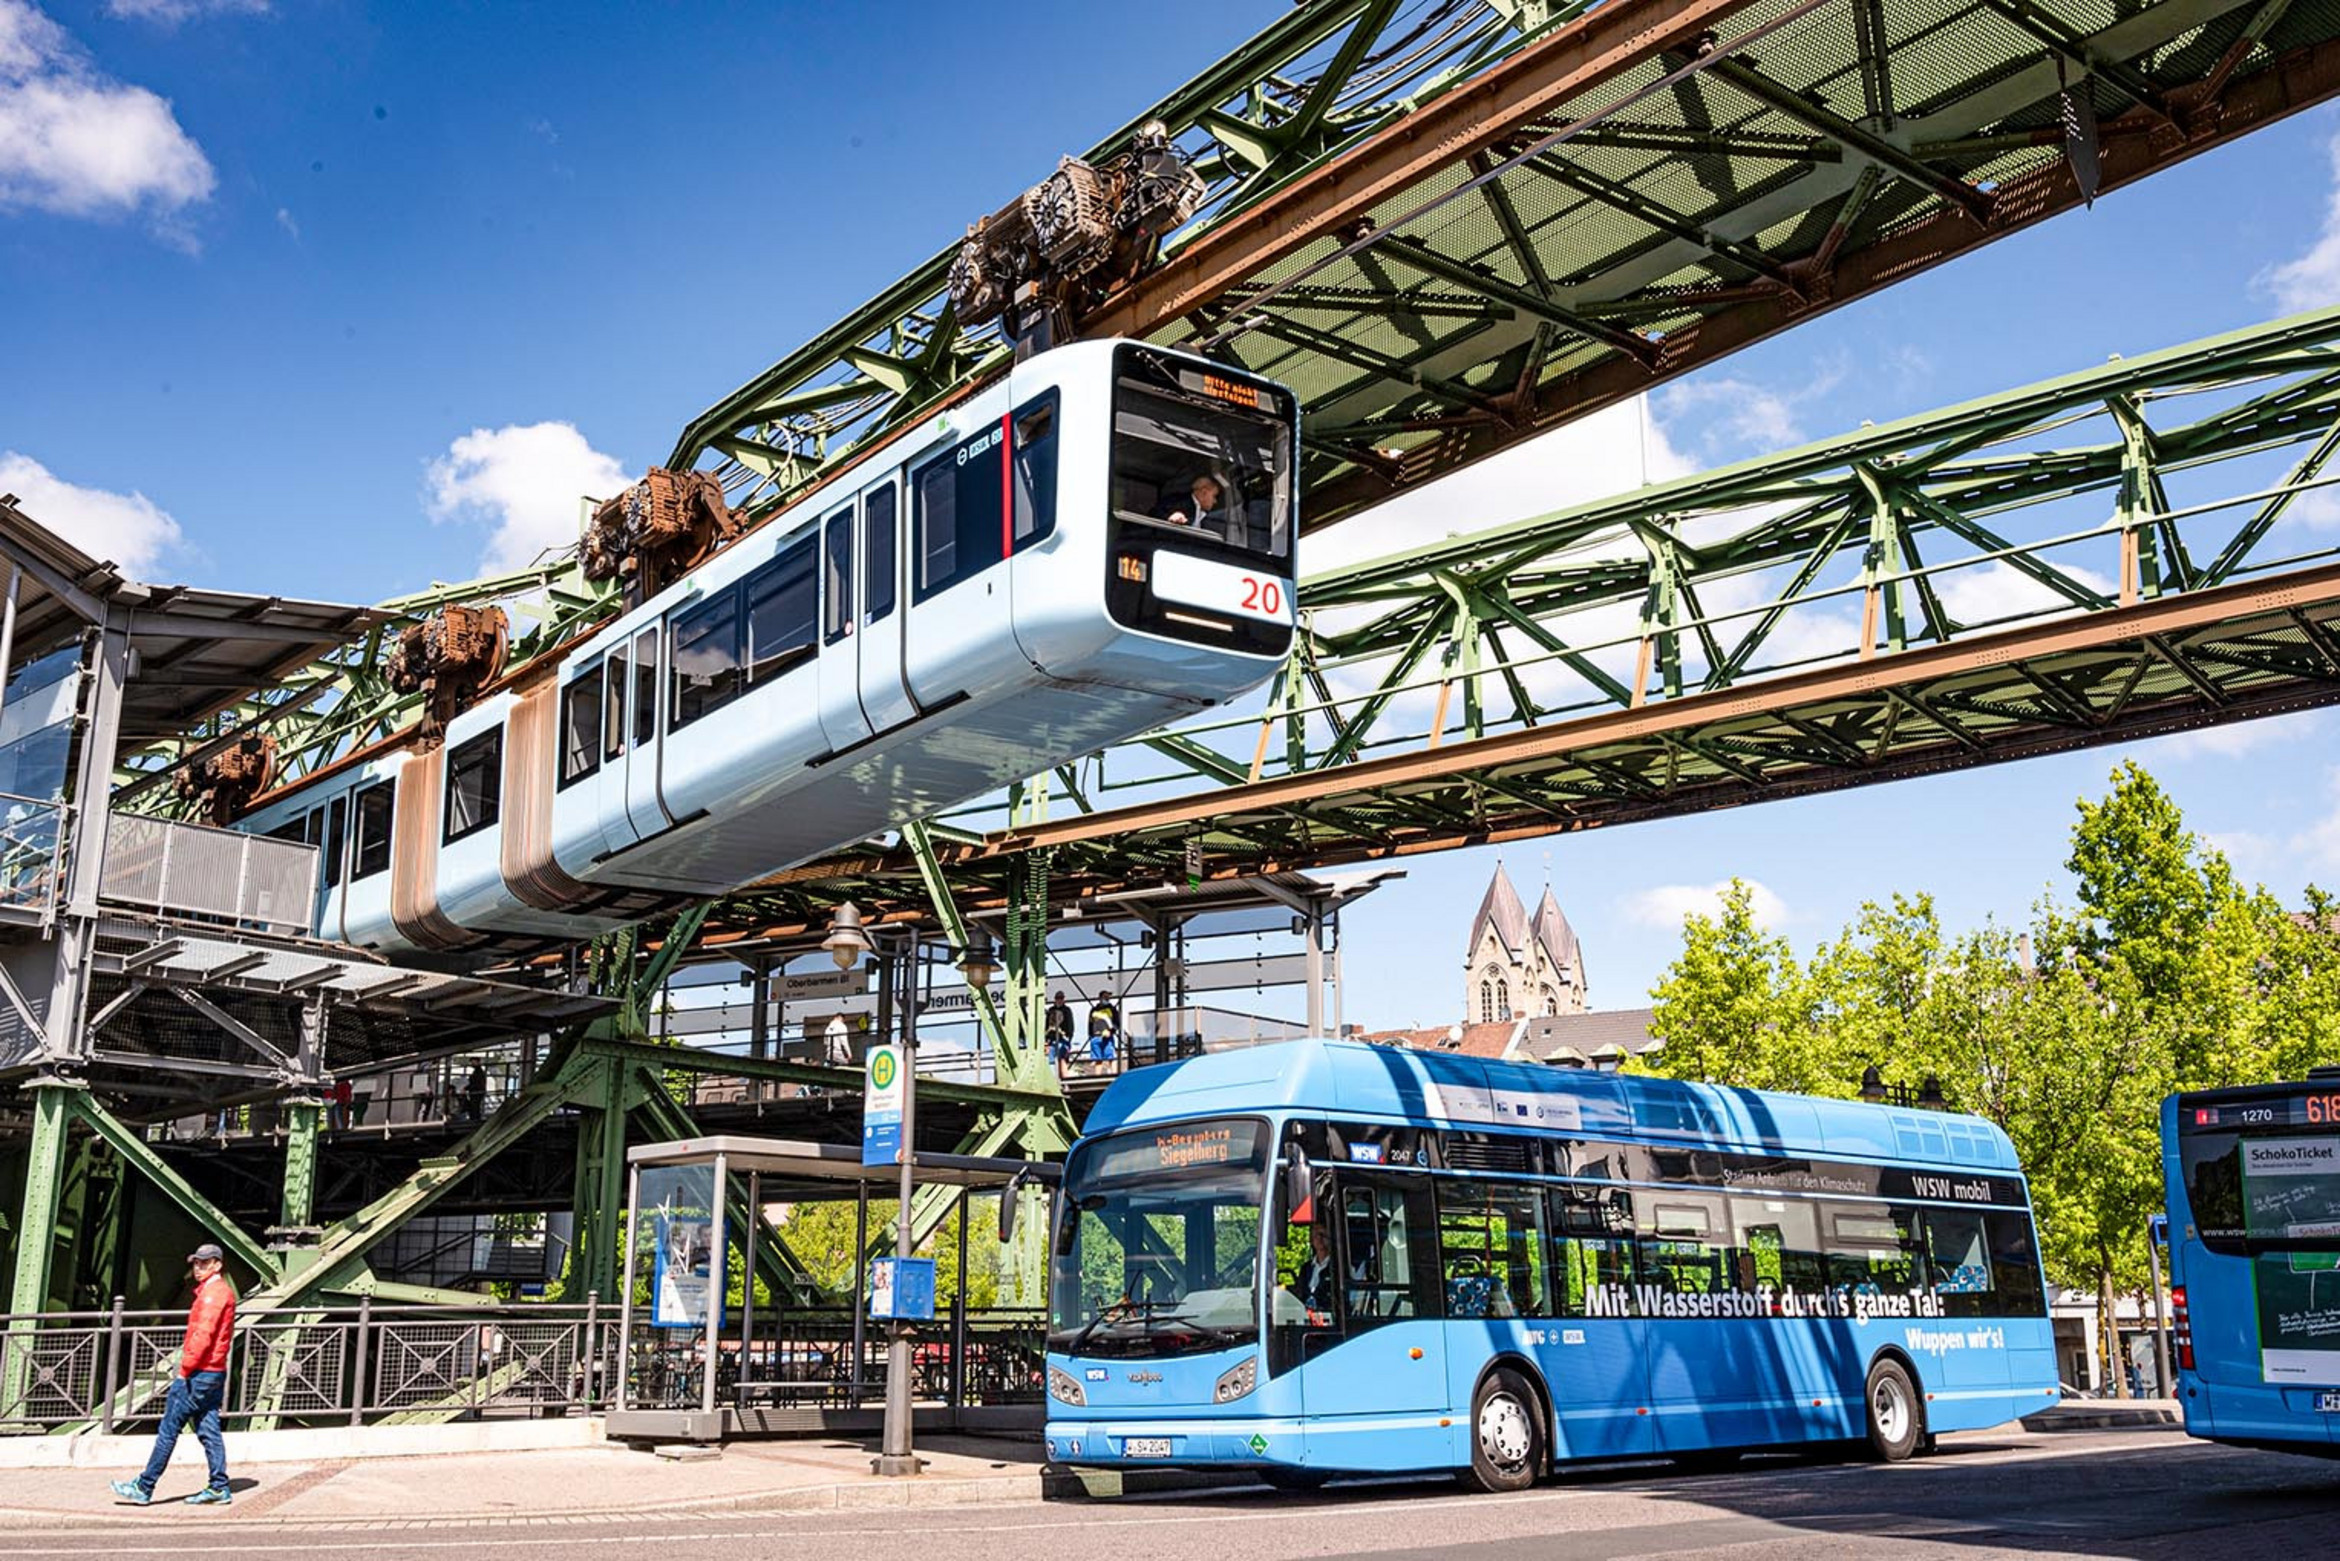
(294, 828)
(709, 671)
(645, 686)
(336, 836)
(581, 727)
(1035, 430)
(375, 808)
(957, 524)
(877, 554)
(837, 577)
(783, 602)
(475, 784)
(613, 710)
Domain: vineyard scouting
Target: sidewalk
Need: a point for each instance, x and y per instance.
(560, 1485)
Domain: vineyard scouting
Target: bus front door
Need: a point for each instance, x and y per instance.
(1375, 1381)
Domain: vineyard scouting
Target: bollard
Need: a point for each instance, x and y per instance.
(357, 1375)
(113, 1370)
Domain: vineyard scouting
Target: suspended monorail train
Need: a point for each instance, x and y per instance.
(1097, 543)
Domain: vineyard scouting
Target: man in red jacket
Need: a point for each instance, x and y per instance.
(198, 1389)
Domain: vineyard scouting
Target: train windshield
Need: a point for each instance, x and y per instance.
(1204, 451)
(1157, 1241)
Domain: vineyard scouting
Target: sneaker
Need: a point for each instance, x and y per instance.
(132, 1492)
(211, 1496)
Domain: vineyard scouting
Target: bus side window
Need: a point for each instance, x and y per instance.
(1778, 1244)
(1592, 1249)
(2015, 1264)
(1872, 1246)
(1491, 1249)
(1684, 1242)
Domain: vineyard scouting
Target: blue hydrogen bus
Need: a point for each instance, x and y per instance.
(1323, 1257)
(2253, 1180)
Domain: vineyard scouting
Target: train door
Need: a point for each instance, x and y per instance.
(839, 699)
(609, 782)
(885, 696)
(645, 811)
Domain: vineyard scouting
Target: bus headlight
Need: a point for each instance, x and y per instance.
(1236, 1381)
(1064, 1389)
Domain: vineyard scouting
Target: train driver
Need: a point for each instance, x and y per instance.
(1203, 504)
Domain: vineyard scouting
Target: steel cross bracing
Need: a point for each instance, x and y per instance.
(1451, 224)
(2138, 548)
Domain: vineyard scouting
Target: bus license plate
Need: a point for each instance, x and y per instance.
(1145, 1447)
(2328, 1403)
(1200, 582)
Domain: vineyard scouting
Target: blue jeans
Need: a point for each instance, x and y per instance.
(196, 1398)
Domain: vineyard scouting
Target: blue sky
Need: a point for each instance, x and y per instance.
(324, 299)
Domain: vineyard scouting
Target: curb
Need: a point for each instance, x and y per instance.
(1047, 1484)
(2146, 1415)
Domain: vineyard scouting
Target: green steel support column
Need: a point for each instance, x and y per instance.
(302, 1116)
(44, 1178)
(2140, 499)
(602, 1189)
(1882, 568)
(1024, 959)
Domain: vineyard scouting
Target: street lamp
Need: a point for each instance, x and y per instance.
(1872, 1085)
(848, 941)
(1927, 1096)
(976, 961)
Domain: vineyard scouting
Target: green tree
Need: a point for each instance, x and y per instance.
(1732, 1006)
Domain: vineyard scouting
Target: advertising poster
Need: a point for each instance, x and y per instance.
(682, 1278)
(2291, 1192)
(881, 1112)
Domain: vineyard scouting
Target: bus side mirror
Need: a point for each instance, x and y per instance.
(1010, 1197)
(1299, 1187)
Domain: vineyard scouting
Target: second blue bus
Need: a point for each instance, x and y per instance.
(1322, 1257)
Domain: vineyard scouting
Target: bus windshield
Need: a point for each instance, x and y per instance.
(1157, 1242)
(1206, 453)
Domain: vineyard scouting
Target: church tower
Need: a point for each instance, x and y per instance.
(1521, 966)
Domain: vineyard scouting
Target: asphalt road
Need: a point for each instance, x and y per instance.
(2115, 1494)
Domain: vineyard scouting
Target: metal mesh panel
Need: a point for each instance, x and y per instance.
(209, 872)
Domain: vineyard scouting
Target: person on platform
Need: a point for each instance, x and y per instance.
(197, 1391)
(1104, 1029)
(475, 1094)
(1059, 1029)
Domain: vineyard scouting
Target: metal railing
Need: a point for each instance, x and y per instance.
(223, 874)
(817, 1359)
(110, 1370)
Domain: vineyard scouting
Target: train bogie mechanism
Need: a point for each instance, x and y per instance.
(448, 658)
(1073, 238)
(658, 530)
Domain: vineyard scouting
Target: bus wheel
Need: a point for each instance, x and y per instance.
(1894, 1430)
(1507, 1441)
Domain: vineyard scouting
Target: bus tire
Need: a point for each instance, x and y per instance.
(1896, 1422)
(1507, 1434)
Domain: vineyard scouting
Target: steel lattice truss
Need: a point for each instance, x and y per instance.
(1451, 224)
(2140, 548)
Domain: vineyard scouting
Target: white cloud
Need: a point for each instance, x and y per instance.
(76, 142)
(286, 221)
(1665, 906)
(2318, 845)
(2236, 739)
(126, 529)
(1726, 418)
(172, 12)
(1998, 590)
(524, 481)
(2312, 280)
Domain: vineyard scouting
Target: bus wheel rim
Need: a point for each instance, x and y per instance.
(1503, 1431)
(1891, 1412)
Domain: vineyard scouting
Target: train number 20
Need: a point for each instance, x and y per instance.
(1265, 596)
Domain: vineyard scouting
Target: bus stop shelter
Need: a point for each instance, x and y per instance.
(693, 1367)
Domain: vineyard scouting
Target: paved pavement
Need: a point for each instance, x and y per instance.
(2145, 1494)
